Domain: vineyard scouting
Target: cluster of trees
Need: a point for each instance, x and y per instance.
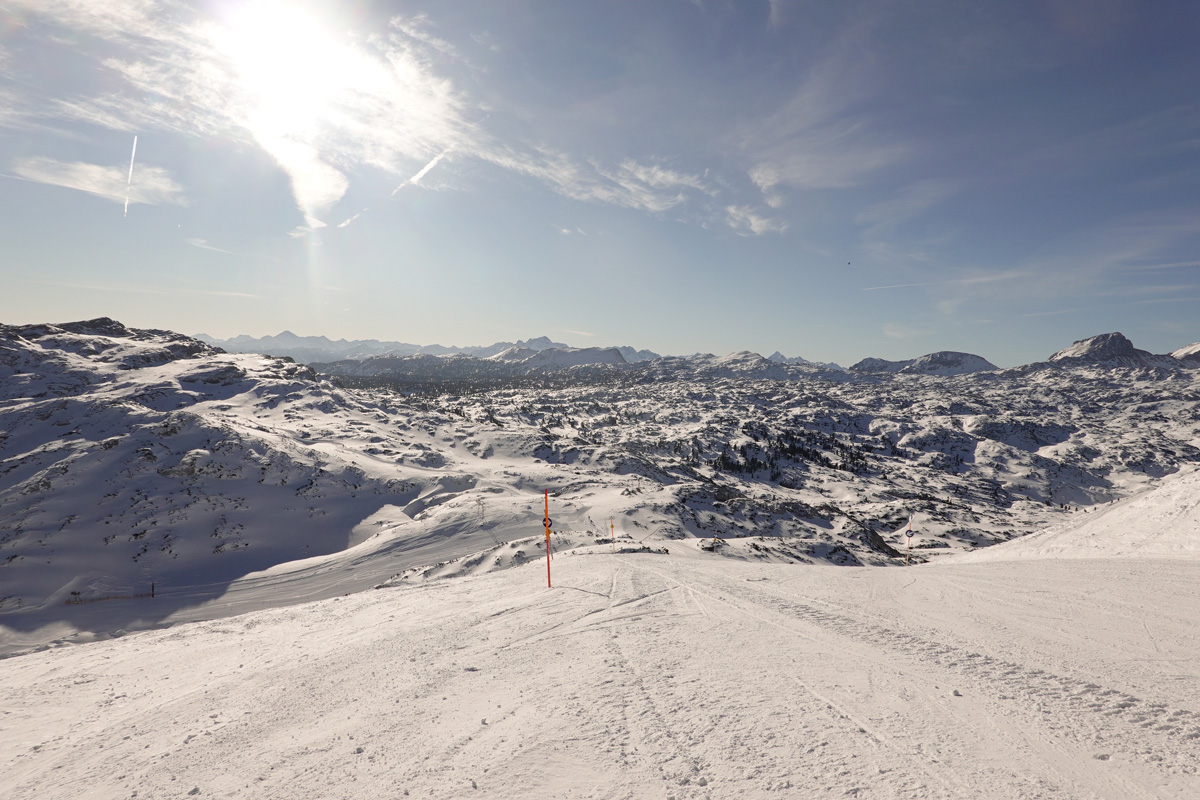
(771, 452)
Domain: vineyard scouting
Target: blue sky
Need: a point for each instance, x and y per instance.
(832, 179)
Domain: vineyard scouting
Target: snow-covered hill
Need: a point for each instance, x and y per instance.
(943, 362)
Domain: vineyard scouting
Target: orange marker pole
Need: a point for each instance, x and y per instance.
(612, 534)
(908, 550)
(547, 521)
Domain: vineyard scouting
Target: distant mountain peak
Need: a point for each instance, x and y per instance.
(943, 362)
(542, 343)
(1110, 350)
(1105, 347)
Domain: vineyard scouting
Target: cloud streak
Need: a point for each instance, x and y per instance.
(155, 186)
(415, 180)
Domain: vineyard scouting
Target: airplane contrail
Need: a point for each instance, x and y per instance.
(129, 181)
(415, 179)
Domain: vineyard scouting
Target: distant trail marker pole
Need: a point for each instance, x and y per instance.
(908, 551)
(546, 520)
(612, 534)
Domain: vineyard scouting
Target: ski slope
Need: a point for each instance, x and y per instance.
(643, 674)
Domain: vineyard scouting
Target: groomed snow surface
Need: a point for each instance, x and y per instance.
(1065, 665)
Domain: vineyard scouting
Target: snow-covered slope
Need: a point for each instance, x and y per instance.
(643, 674)
(136, 461)
(1189, 354)
(1162, 522)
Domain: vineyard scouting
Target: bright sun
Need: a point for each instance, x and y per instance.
(293, 67)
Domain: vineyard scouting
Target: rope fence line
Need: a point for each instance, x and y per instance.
(76, 599)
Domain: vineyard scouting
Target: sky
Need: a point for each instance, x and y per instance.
(831, 179)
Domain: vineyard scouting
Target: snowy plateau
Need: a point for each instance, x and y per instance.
(234, 575)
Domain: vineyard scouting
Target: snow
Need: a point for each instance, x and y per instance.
(1163, 522)
(1189, 353)
(944, 363)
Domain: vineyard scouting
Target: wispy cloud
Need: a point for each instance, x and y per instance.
(659, 177)
(896, 330)
(1171, 265)
(325, 105)
(141, 289)
(819, 138)
(1191, 299)
(267, 72)
(204, 245)
(154, 185)
(347, 222)
(910, 202)
(974, 280)
(746, 220)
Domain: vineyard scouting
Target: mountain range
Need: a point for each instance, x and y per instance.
(436, 366)
(307, 349)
